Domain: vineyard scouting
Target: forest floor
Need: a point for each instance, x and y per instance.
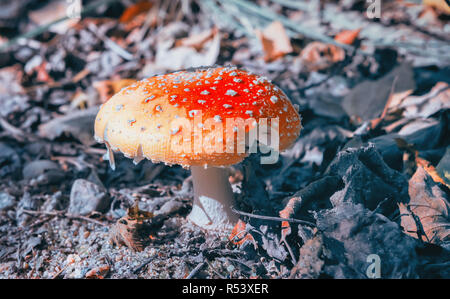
(368, 176)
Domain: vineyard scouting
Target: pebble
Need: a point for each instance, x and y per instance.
(87, 197)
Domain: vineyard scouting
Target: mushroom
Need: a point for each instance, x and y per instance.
(191, 118)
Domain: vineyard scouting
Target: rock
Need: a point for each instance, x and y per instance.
(56, 202)
(9, 161)
(368, 180)
(27, 202)
(353, 233)
(172, 206)
(87, 197)
(6, 201)
(43, 172)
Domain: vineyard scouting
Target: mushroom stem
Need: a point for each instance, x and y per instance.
(213, 198)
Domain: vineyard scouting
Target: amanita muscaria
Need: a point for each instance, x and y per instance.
(195, 119)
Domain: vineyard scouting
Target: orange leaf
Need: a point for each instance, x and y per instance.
(197, 41)
(318, 56)
(275, 41)
(288, 212)
(98, 273)
(136, 9)
(108, 88)
(239, 235)
(441, 5)
(431, 170)
(347, 37)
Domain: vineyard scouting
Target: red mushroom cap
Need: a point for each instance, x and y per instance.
(139, 120)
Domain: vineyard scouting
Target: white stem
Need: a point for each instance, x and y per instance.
(213, 198)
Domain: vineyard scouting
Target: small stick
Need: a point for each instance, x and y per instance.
(139, 268)
(195, 270)
(61, 214)
(271, 218)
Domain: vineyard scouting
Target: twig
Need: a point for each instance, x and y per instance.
(271, 218)
(17, 133)
(67, 215)
(145, 263)
(195, 270)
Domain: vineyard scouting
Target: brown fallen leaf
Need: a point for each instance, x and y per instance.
(426, 215)
(134, 10)
(42, 74)
(441, 5)
(286, 213)
(239, 235)
(108, 88)
(78, 124)
(197, 41)
(136, 229)
(275, 41)
(347, 37)
(318, 56)
(426, 105)
(431, 170)
(98, 273)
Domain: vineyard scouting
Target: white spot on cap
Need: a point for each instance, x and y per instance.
(227, 106)
(217, 118)
(205, 92)
(230, 92)
(274, 99)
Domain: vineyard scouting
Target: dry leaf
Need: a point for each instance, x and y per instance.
(197, 41)
(275, 41)
(98, 273)
(426, 105)
(108, 88)
(347, 37)
(53, 10)
(134, 10)
(441, 5)
(426, 215)
(431, 170)
(286, 213)
(168, 58)
(239, 235)
(134, 230)
(318, 56)
(77, 123)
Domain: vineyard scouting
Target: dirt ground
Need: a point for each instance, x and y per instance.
(366, 182)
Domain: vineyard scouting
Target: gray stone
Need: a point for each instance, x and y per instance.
(87, 197)
(6, 201)
(170, 207)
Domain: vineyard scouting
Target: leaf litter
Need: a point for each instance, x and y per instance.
(368, 175)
